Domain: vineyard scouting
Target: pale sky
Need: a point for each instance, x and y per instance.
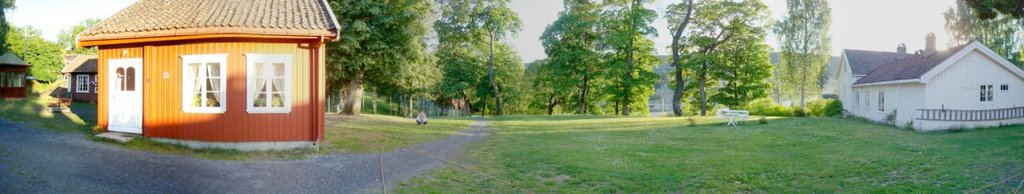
(861, 24)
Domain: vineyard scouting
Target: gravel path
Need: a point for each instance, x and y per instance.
(41, 161)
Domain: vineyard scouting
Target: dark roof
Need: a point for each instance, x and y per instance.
(863, 62)
(911, 67)
(12, 60)
(81, 64)
(161, 18)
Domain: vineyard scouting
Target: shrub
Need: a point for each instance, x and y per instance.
(890, 119)
(765, 107)
(762, 120)
(833, 108)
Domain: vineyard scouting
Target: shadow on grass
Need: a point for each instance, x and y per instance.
(33, 111)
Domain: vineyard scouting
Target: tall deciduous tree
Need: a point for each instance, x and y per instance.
(631, 57)
(67, 38)
(43, 55)
(382, 44)
(744, 69)
(718, 23)
(1001, 32)
(5, 27)
(990, 9)
(804, 45)
(573, 63)
(678, 16)
(468, 26)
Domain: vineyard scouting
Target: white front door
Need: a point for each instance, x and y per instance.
(124, 98)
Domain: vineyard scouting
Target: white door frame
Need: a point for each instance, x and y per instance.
(124, 114)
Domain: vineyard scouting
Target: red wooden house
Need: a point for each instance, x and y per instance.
(13, 74)
(230, 74)
(80, 72)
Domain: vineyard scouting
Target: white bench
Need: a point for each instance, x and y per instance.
(732, 116)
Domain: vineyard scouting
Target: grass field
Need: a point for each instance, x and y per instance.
(32, 110)
(571, 154)
(368, 133)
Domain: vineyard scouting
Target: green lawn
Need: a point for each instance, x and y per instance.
(33, 111)
(570, 154)
(368, 133)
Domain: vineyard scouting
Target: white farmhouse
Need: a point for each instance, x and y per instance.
(967, 86)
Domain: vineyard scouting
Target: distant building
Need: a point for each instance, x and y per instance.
(80, 72)
(966, 86)
(13, 76)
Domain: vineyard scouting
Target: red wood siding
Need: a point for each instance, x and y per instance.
(15, 92)
(162, 115)
(88, 96)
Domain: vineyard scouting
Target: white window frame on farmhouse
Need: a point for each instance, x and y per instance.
(856, 96)
(867, 100)
(881, 101)
(82, 81)
(986, 93)
(188, 79)
(261, 72)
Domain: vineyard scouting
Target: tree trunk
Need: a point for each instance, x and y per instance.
(551, 104)
(494, 86)
(374, 100)
(469, 105)
(412, 111)
(353, 97)
(583, 95)
(703, 91)
(677, 96)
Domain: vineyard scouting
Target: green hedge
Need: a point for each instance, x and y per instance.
(815, 108)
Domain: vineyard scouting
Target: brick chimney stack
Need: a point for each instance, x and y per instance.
(929, 47)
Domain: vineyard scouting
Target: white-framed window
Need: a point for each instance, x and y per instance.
(986, 93)
(82, 83)
(269, 80)
(1004, 87)
(881, 101)
(867, 100)
(203, 83)
(856, 97)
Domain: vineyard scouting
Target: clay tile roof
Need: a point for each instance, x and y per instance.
(81, 64)
(863, 62)
(12, 60)
(161, 18)
(911, 67)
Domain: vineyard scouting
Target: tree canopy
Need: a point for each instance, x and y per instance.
(1000, 31)
(67, 38)
(470, 34)
(381, 44)
(804, 46)
(43, 55)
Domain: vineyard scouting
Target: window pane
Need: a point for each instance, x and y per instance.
(197, 99)
(260, 101)
(277, 100)
(278, 69)
(213, 69)
(212, 100)
(120, 79)
(278, 85)
(130, 79)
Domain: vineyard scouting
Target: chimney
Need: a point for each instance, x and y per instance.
(929, 47)
(901, 51)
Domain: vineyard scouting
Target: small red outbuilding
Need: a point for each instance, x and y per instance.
(229, 74)
(13, 76)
